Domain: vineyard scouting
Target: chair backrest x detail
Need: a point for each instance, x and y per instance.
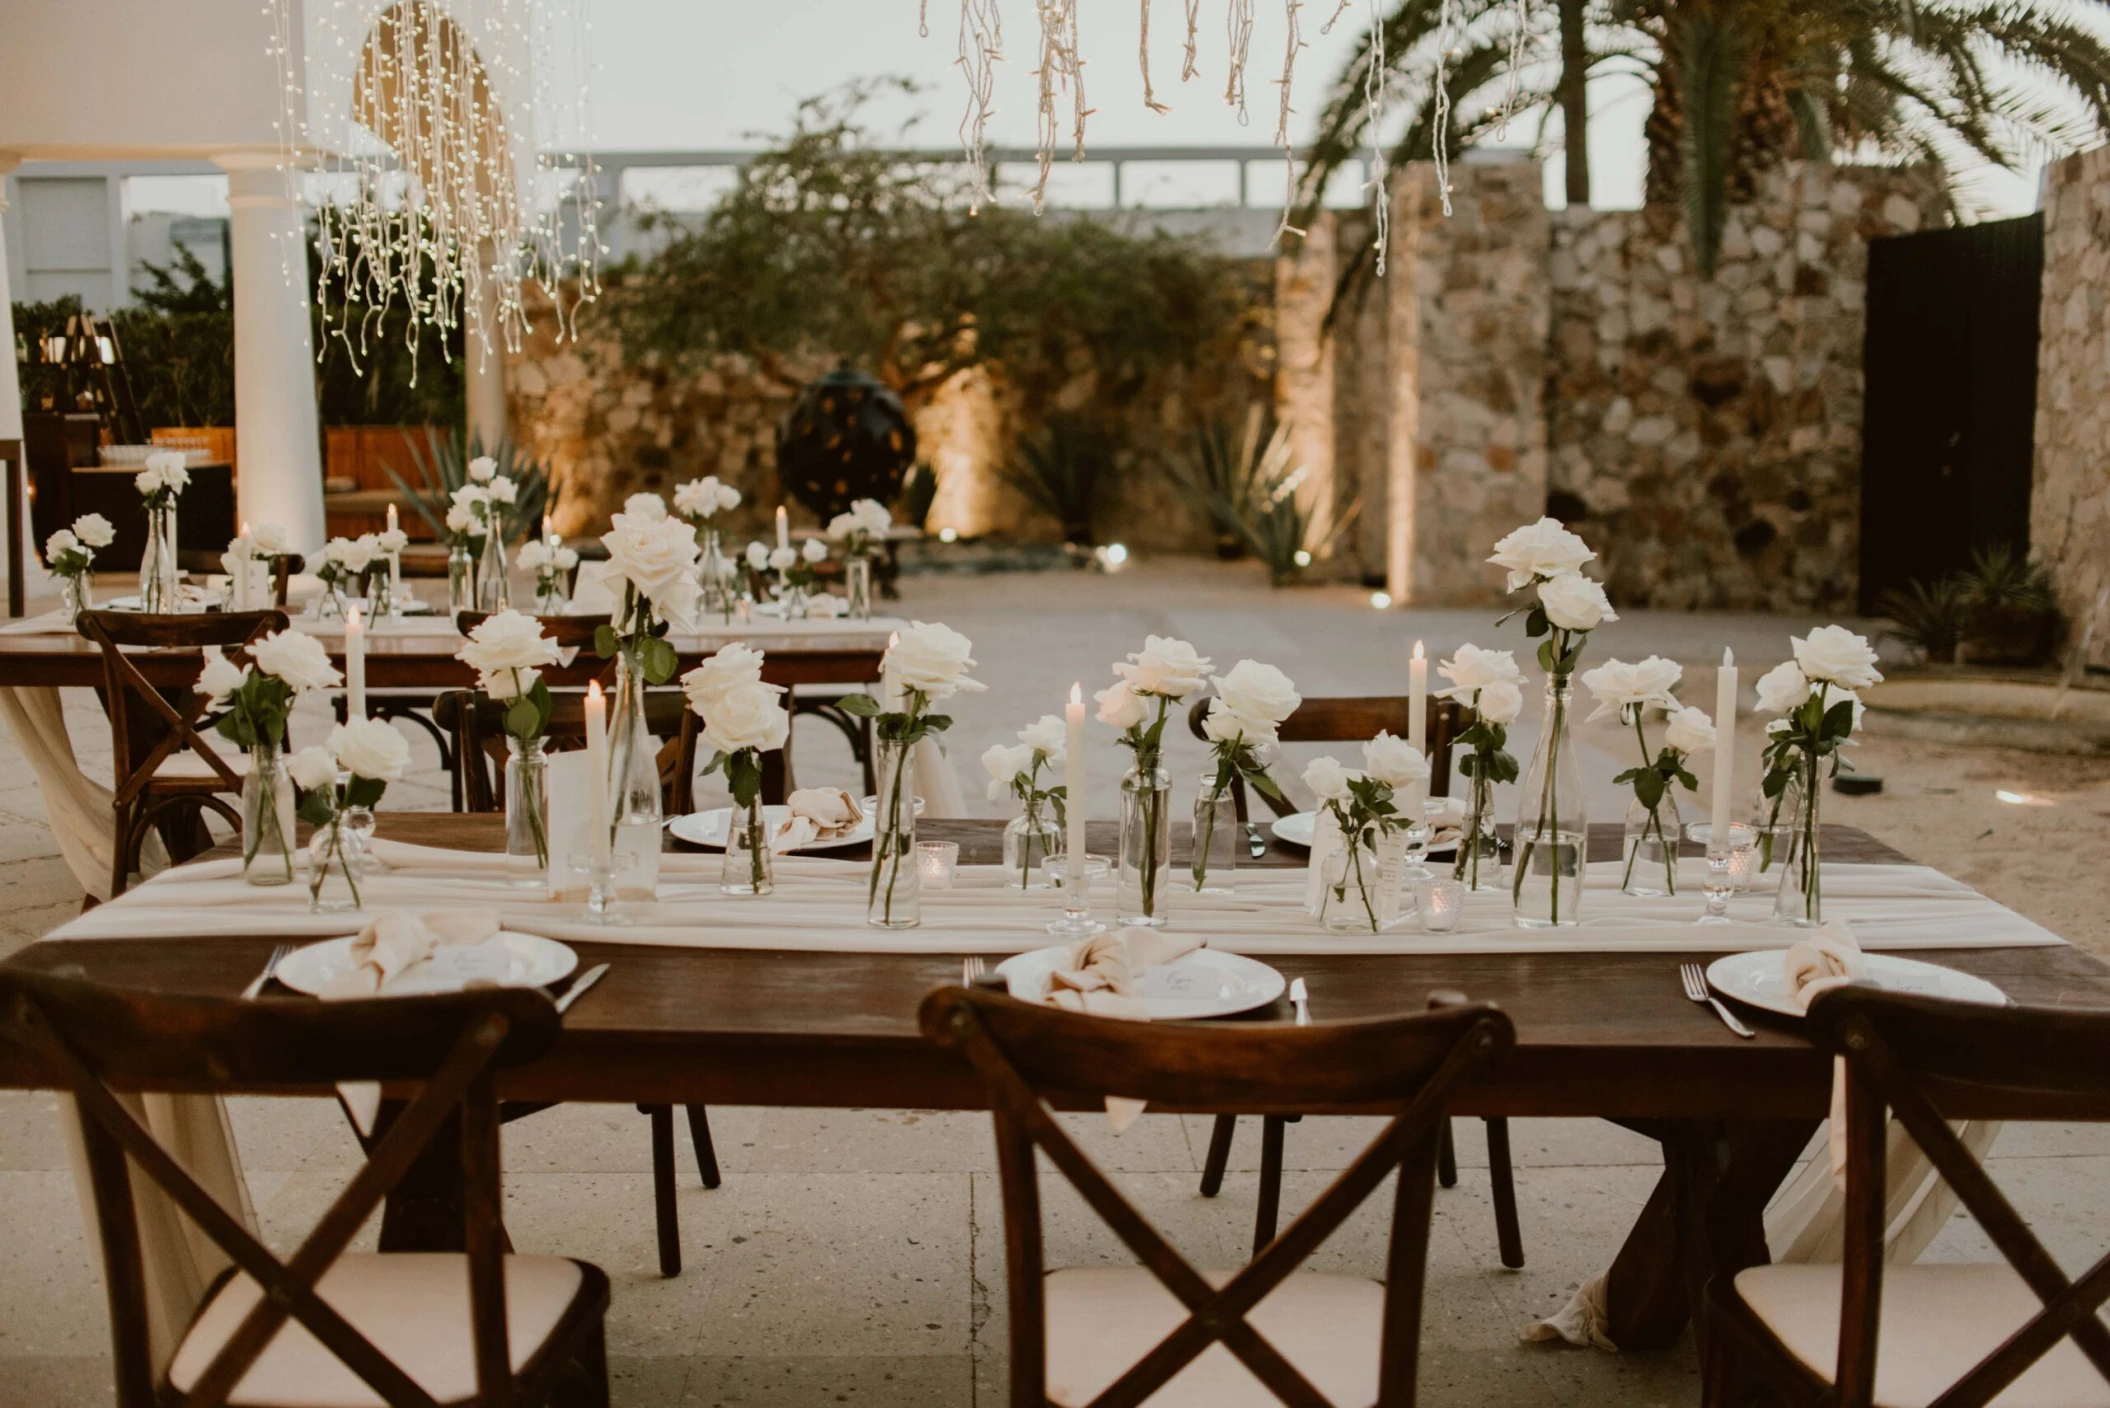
(1406, 1067)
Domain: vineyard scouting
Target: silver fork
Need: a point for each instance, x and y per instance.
(971, 970)
(1696, 988)
(256, 984)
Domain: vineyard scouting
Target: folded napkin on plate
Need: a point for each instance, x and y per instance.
(1829, 958)
(395, 939)
(1102, 978)
(817, 814)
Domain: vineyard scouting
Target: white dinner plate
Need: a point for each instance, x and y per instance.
(1760, 979)
(1205, 983)
(1296, 830)
(709, 828)
(530, 962)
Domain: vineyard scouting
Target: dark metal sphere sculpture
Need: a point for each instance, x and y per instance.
(848, 437)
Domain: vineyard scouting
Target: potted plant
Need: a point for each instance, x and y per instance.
(2010, 616)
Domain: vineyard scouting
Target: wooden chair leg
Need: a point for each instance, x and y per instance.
(1219, 1155)
(706, 1152)
(1502, 1182)
(1269, 1208)
(665, 1212)
(1447, 1159)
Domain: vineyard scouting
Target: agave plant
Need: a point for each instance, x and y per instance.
(1928, 618)
(443, 467)
(1277, 525)
(1059, 473)
(1226, 475)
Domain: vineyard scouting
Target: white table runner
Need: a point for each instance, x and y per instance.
(819, 907)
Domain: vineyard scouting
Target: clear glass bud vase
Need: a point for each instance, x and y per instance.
(1552, 841)
(493, 592)
(381, 591)
(895, 898)
(1146, 847)
(749, 867)
(1361, 887)
(461, 578)
(1029, 839)
(527, 814)
(1800, 899)
(1216, 837)
(336, 860)
(79, 596)
(157, 565)
(711, 572)
(267, 818)
(1649, 857)
(633, 779)
(857, 587)
(1478, 863)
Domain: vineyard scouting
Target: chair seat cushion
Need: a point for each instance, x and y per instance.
(413, 1306)
(1938, 1322)
(1101, 1321)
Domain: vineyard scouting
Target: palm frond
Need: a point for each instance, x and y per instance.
(1710, 60)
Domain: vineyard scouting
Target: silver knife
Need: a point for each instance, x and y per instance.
(1255, 843)
(578, 989)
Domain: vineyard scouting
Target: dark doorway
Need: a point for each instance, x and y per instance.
(1951, 371)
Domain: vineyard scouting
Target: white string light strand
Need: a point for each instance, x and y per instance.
(1188, 66)
(1238, 23)
(1379, 184)
(923, 19)
(1059, 65)
(1143, 56)
(1519, 38)
(1442, 111)
(981, 43)
(1282, 137)
(1339, 10)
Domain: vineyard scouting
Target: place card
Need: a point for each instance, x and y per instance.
(471, 963)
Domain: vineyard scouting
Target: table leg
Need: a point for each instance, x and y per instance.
(1704, 1219)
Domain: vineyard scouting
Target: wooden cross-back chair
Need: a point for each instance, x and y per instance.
(1943, 1335)
(1118, 1337)
(163, 764)
(206, 562)
(478, 1326)
(1358, 719)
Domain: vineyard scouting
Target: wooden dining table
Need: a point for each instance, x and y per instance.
(1603, 1035)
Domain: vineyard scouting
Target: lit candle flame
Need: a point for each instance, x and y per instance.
(1417, 650)
(1076, 694)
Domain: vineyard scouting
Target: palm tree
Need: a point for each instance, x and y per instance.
(1741, 86)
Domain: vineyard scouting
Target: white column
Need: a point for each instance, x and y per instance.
(35, 582)
(484, 370)
(277, 436)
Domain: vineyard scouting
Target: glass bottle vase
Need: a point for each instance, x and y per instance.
(1029, 839)
(461, 578)
(267, 818)
(895, 896)
(1146, 847)
(633, 778)
(381, 592)
(79, 596)
(336, 860)
(857, 587)
(157, 565)
(1648, 862)
(493, 592)
(527, 814)
(1361, 893)
(1217, 837)
(749, 867)
(711, 572)
(1800, 899)
(1553, 825)
(1478, 862)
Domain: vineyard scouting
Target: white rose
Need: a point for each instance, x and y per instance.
(933, 659)
(814, 551)
(842, 526)
(1782, 688)
(783, 559)
(1224, 724)
(59, 544)
(1005, 762)
(505, 686)
(392, 540)
(1395, 762)
(299, 660)
(1473, 669)
(472, 496)
(658, 557)
(1690, 731)
(872, 516)
(1837, 656)
(698, 498)
(461, 519)
(1167, 667)
(747, 716)
(566, 559)
(1575, 603)
(534, 555)
(504, 490)
(94, 530)
(271, 538)
(221, 677)
(482, 469)
(360, 553)
(1541, 549)
(733, 667)
(313, 769)
(650, 506)
(1256, 691)
(1622, 687)
(1500, 702)
(758, 556)
(370, 748)
(1048, 736)
(1121, 706)
(1327, 779)
(147, 481)
(507, 641)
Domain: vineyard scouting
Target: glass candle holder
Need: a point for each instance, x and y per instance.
(1722, 864)
(1442, 904)
(937, 862)
(600, 873)
(1076, 920)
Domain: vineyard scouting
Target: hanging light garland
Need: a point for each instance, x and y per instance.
(455, 177)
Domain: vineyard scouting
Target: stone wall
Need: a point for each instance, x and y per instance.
(2070, 499)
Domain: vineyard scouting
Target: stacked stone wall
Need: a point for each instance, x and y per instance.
(2070, 499)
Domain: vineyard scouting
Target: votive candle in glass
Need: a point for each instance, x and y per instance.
(937, 862)
(1442, 904)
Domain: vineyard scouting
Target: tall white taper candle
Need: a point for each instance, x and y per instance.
(597, 773)
(1073, 784)
(890, 677)
(1724, 812)
(355, 665)
(1418, 701)
(783, 527)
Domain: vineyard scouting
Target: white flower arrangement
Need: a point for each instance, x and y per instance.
(167, 475)
(701, 500)
(863, 529)
(70, 552)
(743, 718)
(1632, 691)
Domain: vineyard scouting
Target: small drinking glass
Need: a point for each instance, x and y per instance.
(1722, 864)
(600, 873)
(937, 862)
(1076, 921)
(1442, 903)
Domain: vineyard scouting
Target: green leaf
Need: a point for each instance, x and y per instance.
(936, 723)
(1547, 659)
(1536, 624)
(1502, 767)
(604, 643)
(743, 774)
(315, 808)
(1266, 786)
(1839, 719)
(1776, 782)
(862, 706)
(364, 791)
(1629, 775)
(659, 658)
(1648, 789)
(523, 720)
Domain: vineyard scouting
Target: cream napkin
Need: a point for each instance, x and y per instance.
(393, 940)
(1829, 958)
(1102, 978)
(817, 814)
